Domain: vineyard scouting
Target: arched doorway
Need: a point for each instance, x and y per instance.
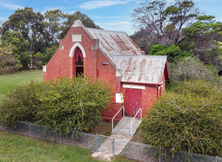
(78, 63)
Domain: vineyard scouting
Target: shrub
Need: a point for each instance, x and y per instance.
(188, 119)
(172, 52)
(21, 104)
(190, 68)
(67, 104)
(8, 62)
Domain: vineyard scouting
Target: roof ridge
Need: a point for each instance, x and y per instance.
(106, 30)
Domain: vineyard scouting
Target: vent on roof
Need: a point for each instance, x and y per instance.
(105, 63)
(76, 37)
(119, 72)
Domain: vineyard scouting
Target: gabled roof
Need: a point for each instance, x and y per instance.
(112, 42)
(142, 69)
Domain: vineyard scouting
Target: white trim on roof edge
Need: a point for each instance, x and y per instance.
(133, 86)
(71, 52)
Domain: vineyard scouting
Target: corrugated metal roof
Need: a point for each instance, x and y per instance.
(141, 69)
(114, 43)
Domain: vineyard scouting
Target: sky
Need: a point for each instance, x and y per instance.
(108, 14)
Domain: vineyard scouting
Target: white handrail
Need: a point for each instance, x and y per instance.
(134, 118)
(116, 114)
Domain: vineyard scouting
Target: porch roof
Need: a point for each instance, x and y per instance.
(142, 69)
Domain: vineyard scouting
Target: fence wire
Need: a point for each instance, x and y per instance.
(100, 143)
(141, 152)
(84, 140)
(105, 144)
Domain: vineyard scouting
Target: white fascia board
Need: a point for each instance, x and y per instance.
(133, 86)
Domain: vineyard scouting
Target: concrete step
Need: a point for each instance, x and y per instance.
(124, 126)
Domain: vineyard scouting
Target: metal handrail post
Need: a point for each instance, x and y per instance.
(116, 115)
(132, 121)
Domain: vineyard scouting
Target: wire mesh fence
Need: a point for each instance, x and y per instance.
(100, 143)
(185, 156)
(141, 152)
(146, 153)
(106, 144)
(85, 140)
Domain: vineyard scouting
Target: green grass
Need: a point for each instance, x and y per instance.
(10, 81)
(19, 148)
(104, 128)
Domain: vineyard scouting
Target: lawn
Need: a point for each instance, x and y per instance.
(10, 81)
(18, 148)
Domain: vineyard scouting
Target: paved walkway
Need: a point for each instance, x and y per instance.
(122, 135)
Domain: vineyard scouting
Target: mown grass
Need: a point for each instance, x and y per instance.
(19, 148)
(10, 81)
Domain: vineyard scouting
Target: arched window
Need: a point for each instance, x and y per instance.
(78, 62)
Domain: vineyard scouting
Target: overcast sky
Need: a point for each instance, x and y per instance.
(108, 14)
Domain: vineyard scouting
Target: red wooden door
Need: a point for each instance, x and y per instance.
(133, 101)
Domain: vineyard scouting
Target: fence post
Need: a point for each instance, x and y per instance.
(89, 144)
(29, 129)
(60, 138)
(97, 143)
(113, 142)
(216, 158)
(160, 155)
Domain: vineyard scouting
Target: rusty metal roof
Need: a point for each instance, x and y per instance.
(114, 43)
(141, 69)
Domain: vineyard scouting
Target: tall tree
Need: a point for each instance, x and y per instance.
(8, 63)
(70, 19)
(165, 22)
(28, 23)
(32, 32)
(52, 26)
(200, 38)
(20, 47)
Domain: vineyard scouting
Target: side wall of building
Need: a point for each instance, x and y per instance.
(53, 67)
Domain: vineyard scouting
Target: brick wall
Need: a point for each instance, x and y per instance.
(61, 65)
(53, 67)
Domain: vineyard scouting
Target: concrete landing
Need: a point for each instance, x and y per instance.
(122, 135)
(124, 126)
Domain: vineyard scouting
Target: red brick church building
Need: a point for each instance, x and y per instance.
(111, 55)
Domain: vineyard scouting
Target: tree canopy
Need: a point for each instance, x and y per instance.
(20, 47)
(32, 32)
(180, 24)
(165, 22)
(8, 62)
